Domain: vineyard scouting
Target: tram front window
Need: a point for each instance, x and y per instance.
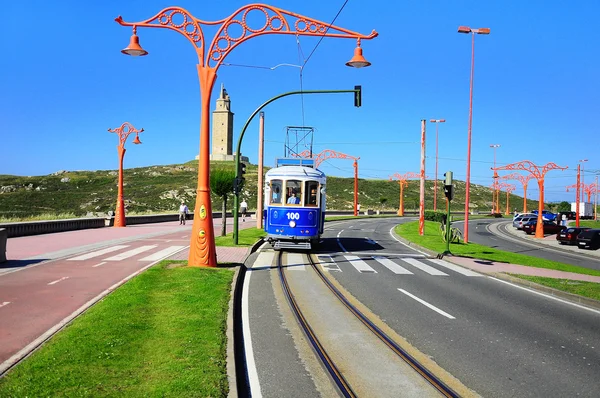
(276, 189)
(293, 192)
(312, 187)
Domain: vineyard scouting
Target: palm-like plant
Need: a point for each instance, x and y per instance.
(221, 184)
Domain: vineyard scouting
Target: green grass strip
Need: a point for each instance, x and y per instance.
(247, 237)
(432, 240)
(161, 334)
(581, 288)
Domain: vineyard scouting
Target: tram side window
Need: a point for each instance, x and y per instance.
(312, 187)
(293, 192)
(276, 189)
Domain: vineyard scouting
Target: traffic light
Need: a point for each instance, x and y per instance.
(241, 170)
(448, 188)
(238, 183)
(357, 96)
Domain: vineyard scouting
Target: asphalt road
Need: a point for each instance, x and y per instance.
(479, 232)
(497, 338)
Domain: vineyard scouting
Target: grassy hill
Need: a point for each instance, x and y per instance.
(160, 189)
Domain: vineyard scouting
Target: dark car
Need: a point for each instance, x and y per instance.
(589, 238)
(568, 236)
(549, 227)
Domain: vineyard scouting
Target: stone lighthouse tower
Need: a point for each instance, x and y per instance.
(222, 128)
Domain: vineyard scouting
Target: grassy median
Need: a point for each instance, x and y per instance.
(161, 334)
(432, 240)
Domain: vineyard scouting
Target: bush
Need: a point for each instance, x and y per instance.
(436, 216)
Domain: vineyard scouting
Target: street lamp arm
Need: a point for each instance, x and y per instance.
(187, 25)
(124, 131)
(274, 22)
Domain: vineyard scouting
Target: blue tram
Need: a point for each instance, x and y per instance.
(294, 204)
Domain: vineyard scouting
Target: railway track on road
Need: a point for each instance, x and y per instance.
(399, 373)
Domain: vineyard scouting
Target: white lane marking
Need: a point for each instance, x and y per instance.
(454, 267)
(99, 264)
(98, 253)
(370, 241)
(4, 304)
(130, 253)
(359, 264)
(402, 243)
(58, 280)
(340, 243)
(10, 362)
(547, 296)
(264, 259)
(328, 264)
(159, 255)
(392, 266)
(423, 267)
(425, 303)
(295, 262)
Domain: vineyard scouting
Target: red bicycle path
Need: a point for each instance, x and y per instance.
(42, 289)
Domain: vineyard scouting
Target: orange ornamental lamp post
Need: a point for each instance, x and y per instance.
(509, 188)
(403, 182)
(539, 175)
(480, 31)
(274, 20)
(582, 161)
(331, 154)
(496, 194)
(123, 132)
(588, 189)
(524, 180)
(437, 122)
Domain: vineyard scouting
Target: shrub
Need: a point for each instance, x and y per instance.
(436, 216)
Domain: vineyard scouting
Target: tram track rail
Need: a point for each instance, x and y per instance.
(328, 362)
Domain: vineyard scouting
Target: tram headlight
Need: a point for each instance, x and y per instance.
(292, 223)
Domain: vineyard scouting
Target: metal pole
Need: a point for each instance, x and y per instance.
(596, 201)
(577, 196)
(468, 179)
(448, 225)
(355, 188)
(422, 188)
(261, 148)
(436, 169)
(236, 197)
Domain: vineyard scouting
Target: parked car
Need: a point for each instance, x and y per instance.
(522, 220)
(568, 236)
(549, 227)
(589, 238)
(546, 215)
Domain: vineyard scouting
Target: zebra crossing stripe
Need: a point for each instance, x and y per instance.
(328, 264)
(159, 255)
(359, 264)
(97, 253)
(295, 262)
(130, 253)
(392, 266)
(454, 267)
(423, 267)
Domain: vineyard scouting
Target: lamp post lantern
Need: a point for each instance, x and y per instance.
(480, 31)
(210, 57)
(437, 122)
(124, 131)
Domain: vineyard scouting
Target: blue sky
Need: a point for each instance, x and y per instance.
(537, 89)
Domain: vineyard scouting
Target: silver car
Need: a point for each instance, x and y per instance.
(520, 221)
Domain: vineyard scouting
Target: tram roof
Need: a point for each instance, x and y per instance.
(295, 171)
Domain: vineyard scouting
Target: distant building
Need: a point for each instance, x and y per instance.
(222, 130)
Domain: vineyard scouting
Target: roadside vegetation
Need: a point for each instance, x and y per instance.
(246, 237)
(587, 223)
(432, 240)
(160, 334)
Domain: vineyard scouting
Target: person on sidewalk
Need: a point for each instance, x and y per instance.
(183, 211)
(243, 209)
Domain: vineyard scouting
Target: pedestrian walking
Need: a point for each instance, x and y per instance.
(183, 212)
(243, 209)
